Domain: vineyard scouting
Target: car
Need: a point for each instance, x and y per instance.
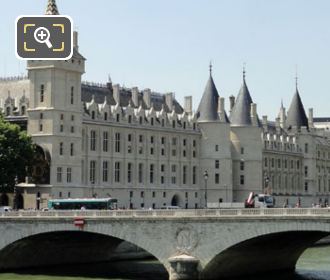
(5, 209)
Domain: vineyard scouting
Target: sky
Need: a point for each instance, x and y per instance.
(167, 45)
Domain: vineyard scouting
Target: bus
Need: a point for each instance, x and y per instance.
(83, 204)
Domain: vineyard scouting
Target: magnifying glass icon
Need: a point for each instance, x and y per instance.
(42, 35)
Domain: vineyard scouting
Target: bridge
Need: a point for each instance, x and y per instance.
(191, 244)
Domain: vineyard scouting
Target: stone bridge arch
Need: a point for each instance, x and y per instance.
(260, 246)
(142, 234)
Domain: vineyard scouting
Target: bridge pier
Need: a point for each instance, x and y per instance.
(183, 267)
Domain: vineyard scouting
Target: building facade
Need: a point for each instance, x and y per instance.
(144, 148)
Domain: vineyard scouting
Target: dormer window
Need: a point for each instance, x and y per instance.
(129, 119)
(23, 110)
(173, 124)
(140, 120)
(105, 116)
(152, 121)
(8, 111)
(118, 117)
(93, 115)
(163, 122)
(184, 125)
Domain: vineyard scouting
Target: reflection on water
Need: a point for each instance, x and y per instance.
(313, 265)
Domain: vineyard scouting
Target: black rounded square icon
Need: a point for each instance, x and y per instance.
(44, 37)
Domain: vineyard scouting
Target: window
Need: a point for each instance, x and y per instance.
(153, 194)
(41, 128)
(163, 152)
(162, 168)
(184, 142)
(273, 162)
(242, 151)
(62, 117)
(140, 138)
(174, 141)
(61, 128)
(306, 186)
(129, 119)
(72, 96)
(68, 174)
(105, 141)
(279, 163)
(41, 116)
(151, 151)
(117, 172)
(42, 93)
(140, 120)
(105, 116)
(194, 143)
(61, 149)
(151, 139)
(142, 194)
(163, 122)
(194, 154)
(93, 115)
(306, 171)
(217, 164)
(298, 164)
(23, 110)
(266, 162)
(306, 148)
(163, 140)
(174, 152)
(59, 174)
(242, 179)
(164, 194)
(194, 173)
(217, 178)
(242, 165)
(117, 117)
(151, 173)
(71, 149)
(8, 111)
(140, 173)
(184, 175)
(152, 121)
(162, 180)
(72, 129)
(184, 125)
(93, 140)
(92, 167)
(129, 137)
(216, 148)
(173, 168)
(117, 142)
(105, 171)
(184, 153)
(173, 124)
(129, 172)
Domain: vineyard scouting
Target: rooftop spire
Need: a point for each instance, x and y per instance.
(210, 66)
(51, 8)
(296, 78)
(244, 72)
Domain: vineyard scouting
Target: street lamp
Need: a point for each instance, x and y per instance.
(266, 178)
(206, 176)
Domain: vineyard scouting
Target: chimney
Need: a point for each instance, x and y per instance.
(221, 109)
(135, 96)
(231, 102)
(169, 101)
(253, 113)
(310, 118)
(188, 104)
(116, 93)
(147, 97)
(75, 40)
(282, 117)
(278, 125)
(265, 123)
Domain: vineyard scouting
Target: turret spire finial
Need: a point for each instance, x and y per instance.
(210, 67)
(296, 77)
(51, 8)
(244, 71)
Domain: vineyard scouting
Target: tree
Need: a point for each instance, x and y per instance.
(16, 154)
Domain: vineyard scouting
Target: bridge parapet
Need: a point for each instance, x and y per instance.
(190, 213)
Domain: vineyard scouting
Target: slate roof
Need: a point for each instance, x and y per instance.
(208, 106)
(296, 113)
(51, 8)
(102, 92)
(324, 119)
(241, 112)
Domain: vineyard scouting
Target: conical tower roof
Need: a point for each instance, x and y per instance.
(241, 112)
(208, 107)
(51, 8)
(296, 113)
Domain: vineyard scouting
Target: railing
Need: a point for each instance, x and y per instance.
(189, 213)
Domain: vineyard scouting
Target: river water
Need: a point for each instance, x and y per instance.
(314, 264)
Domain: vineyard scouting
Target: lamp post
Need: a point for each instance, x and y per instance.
(206, 176)
(266, 179)
(15, 193)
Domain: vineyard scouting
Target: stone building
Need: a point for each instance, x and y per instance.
(144, 148)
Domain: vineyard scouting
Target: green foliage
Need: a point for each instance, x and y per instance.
(16, 154)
